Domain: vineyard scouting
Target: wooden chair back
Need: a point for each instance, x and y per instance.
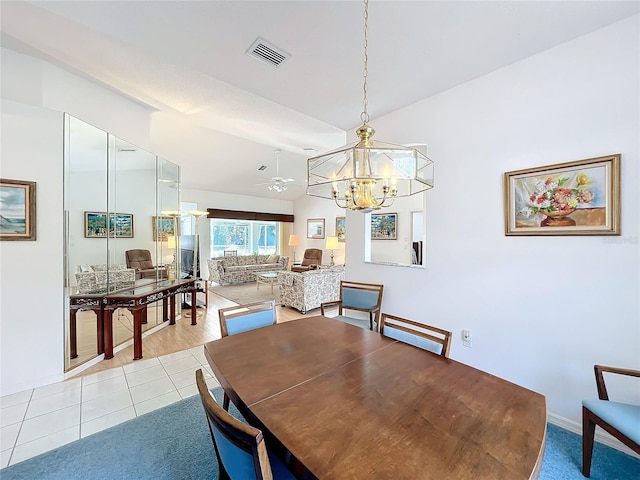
(620, 420)
(242, 318)
(240, 448)
(363, 297)
(427, 337)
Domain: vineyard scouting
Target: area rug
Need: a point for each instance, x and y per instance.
(242, 293)
(174, 443)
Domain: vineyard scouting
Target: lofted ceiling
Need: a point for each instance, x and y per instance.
(221, 113)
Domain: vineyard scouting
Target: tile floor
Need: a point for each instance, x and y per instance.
(38, 420)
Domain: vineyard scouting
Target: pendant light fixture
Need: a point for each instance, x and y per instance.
(368, 175)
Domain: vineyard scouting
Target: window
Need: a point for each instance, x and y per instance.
(245, 236)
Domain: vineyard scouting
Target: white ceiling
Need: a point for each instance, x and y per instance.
(221, 113)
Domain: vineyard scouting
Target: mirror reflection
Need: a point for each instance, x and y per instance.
(397, 233)
(114, 234)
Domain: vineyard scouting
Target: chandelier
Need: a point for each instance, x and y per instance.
(368, 175)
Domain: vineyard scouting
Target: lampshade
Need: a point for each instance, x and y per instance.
(368, 175)
(197, 213)
(332, 243)
(294, 240)
(171, 241)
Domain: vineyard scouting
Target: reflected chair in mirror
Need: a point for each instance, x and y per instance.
(622, 420)
(240, 448)
(242, 318)
(311, 260)
(427, 337)
(141, 261)
(363, 297)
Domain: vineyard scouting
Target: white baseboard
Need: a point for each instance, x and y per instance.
(601, 436)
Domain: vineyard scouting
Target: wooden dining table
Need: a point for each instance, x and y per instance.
(336, 401)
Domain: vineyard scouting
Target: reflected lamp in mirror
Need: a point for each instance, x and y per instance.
(294, 241)
(331, 245)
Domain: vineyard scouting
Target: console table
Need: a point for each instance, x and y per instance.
(135, 299)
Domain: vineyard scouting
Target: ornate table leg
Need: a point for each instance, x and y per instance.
(108, 333)
(194, 305)
(100, 330)
(138, 317)
(172, 310)
(73, 339)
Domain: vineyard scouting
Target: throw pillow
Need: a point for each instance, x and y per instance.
(273, 259)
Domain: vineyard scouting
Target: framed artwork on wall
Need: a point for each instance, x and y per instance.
(315, 228)
(119, 225)
(574, 198)
(384, 226)
(341, 228)
(163, 228)
(17, 210)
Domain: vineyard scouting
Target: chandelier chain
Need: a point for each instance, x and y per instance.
(364, 116)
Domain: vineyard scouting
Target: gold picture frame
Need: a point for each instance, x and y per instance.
(341, 228)
(315, 228)
(17, 210)
(163, 228)
(574, 198)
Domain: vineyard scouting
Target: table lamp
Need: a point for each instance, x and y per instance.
(293, 241)
(332, 244)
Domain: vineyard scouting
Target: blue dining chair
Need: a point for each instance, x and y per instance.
(622, 420)
(240, 448)
(427, 337)
(363, 297)
(242, 318)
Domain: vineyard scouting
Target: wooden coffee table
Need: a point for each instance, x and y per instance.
(268, 278)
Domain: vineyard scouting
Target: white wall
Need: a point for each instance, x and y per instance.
(542, 310)
(31, 290)
(312, 207)
(34, 95)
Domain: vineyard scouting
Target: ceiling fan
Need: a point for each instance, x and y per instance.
(277, 183)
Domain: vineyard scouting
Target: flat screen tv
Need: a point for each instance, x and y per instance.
(187, 256)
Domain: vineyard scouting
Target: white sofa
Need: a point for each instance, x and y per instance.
(91, 278)
(224, 270)
(305, 291)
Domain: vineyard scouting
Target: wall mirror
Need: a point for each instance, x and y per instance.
(395, 235)
(114, 195)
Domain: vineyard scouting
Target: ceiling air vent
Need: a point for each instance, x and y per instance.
(267, 53)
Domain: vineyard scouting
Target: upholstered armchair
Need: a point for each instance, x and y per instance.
(140, 260)
(312, 259)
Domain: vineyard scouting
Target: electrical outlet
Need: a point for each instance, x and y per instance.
(467, 341)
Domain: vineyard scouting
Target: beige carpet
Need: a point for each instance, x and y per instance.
(242, 293)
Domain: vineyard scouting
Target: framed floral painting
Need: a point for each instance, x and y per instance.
(573, 198)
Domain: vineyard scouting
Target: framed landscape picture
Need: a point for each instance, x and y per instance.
(384, 226)
(17, 210)
(315, 228)
(573, 198)
(341, 228)
(112, 225)
(163, 228)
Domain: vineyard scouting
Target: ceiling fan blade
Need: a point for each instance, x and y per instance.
(287, 180)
